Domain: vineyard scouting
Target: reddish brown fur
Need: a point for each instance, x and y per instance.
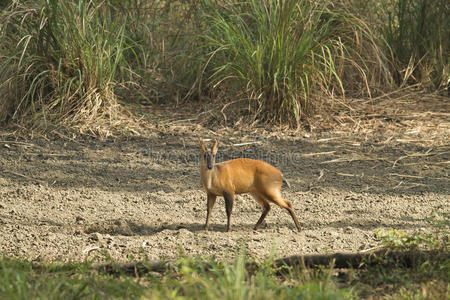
(239, 176)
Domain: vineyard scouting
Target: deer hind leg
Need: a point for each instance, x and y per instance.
(209, 206)
(278, 200)
(265, 206)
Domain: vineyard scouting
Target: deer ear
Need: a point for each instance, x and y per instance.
(215, 147)
(202, 145)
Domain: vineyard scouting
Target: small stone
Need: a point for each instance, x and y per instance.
(95, 236)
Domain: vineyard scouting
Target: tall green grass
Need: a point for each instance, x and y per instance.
(75, 63)
(286, 54)
(60, 62)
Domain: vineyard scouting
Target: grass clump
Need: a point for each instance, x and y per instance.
(60, 63)
(436, 240)
(244, 279)
(283, 55)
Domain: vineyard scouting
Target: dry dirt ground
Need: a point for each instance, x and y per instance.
(64, 199)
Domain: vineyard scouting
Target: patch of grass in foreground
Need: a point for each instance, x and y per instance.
(20, 280)
(241, 279)
(425, 276)
(190, 279)
(245, 280)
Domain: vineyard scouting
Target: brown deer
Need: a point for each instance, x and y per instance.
(240, 176)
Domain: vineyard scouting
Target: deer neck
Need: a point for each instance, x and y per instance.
(206, 176)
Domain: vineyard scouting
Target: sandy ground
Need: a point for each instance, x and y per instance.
(65, 199)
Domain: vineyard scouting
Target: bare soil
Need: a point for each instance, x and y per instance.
(64, 199)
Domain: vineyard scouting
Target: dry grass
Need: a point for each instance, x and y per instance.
(406, 116)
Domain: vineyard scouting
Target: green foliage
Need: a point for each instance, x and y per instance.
(238, 281)
(20, 280)
(437, 240)
(242, 278)
(429, 272)
(399, 240)
(192, 279)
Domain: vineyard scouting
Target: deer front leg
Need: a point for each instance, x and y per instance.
(229, 199)
(209, 206)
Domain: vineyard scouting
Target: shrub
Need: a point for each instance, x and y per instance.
(59, 63)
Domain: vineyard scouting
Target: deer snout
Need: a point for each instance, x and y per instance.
(209, 163)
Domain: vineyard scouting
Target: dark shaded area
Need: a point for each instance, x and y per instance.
(149, 164)
(384, 257)
(130, 228)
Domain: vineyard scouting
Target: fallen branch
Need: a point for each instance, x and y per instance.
(317, 154)
(246, 144)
